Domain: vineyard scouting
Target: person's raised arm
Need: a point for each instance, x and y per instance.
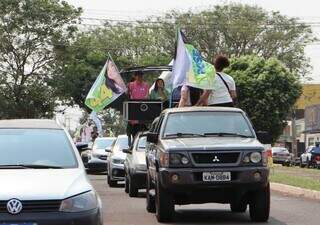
(184, 97)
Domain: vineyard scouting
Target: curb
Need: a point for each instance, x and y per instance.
(295, 191)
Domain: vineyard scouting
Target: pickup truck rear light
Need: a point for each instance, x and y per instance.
(317, 158)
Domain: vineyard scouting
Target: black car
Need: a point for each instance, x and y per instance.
(206, 154)
(135, 166)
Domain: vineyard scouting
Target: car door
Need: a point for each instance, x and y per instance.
(153, 148)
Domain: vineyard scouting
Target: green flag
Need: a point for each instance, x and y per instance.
(107, 87)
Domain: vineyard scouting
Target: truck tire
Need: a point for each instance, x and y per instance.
(126, 184)
(260, 205)
(151, 205)
(238, 207)
(133, 190)
(164, 204)
(111, 182)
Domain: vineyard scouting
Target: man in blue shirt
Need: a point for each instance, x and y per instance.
(316, 149)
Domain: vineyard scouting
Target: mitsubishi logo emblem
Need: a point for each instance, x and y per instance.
(215, 159)
(14, 206)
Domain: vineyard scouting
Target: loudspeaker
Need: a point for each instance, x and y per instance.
(143, 110)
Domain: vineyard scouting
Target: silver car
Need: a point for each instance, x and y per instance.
(43, 180)
(115, 160)
(96, 159)
(280, 155)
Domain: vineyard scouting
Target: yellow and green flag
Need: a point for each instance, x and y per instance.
(108, 87)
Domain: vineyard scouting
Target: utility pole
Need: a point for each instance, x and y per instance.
(294, 134)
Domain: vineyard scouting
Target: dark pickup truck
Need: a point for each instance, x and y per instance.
(206, 154)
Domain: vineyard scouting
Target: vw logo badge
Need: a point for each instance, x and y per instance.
(143, 107)
(215, 159)
(14, 206)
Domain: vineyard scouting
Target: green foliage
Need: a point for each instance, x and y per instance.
(267, 91)
(28, 31)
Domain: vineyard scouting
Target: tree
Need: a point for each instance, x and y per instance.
(29, 30)
(237, 30)
(267, 91)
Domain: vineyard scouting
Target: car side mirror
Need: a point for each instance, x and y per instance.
(82, 147)
(152, 138)
(264, 137)
(107, 150)
(127, 150)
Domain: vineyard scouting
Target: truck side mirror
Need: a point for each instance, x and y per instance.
(152, 138)
(264, 137)
(127, 150)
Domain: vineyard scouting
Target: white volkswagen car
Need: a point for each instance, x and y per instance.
(43, 180)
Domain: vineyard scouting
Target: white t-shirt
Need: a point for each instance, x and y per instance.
(220, 93)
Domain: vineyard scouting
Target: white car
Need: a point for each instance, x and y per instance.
(43, 180)
(96, 159)
(116, 158)
(305, 158)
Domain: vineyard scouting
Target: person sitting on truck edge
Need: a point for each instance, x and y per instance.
(159, 92)
(137, 90)
(224, 92)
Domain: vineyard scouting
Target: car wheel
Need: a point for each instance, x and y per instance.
(111, 183)
(133, 190)
(260, 205)
(164, 204)
(126, 184)
(238, 207)
(151, 205)
(301, 164)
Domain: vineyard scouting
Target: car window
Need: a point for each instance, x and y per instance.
(121, 143)
(36, 146)
(207, 122)
(103, 143)
(142, 144)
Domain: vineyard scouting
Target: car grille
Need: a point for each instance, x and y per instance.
(35, 206)
(103, 157)
(215, 157)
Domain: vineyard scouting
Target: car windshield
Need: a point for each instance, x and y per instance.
(142, 144)
(121, 143)
(103, 143)
(207, 124)
(47, 147)
(279, 150)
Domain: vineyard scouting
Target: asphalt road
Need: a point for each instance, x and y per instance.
(120, 209)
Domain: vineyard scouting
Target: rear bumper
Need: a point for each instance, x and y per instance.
(190, 188)
(92, 217)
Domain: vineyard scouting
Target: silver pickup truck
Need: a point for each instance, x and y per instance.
(206, 154)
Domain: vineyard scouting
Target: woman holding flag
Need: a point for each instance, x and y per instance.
(224, 92)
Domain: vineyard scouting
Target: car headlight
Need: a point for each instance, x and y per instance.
(255, 157)
(177, 159)
(80, 203)
(95, 155)
(118, 161)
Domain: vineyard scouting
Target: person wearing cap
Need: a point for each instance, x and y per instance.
(137, 90)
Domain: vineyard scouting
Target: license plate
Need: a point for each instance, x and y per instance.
(216, 176)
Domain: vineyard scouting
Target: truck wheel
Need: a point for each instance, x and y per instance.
(164, 204)
(133, 190)
(126, 184)
(260, 205)
(239, 207)
(151, 205)
(111, 183)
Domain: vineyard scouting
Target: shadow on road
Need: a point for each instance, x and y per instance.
(218, 216)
